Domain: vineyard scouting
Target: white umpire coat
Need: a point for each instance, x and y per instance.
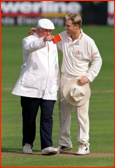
(40, 75)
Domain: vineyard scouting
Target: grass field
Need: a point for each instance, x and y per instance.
(101, 110)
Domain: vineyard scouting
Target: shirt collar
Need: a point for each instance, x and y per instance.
(36, 35)
(81, 35)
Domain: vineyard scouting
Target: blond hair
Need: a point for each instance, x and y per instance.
(75, 18)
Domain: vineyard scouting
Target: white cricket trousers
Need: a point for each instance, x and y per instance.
(65, 110)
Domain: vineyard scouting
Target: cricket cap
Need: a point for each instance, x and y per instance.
(46, 24)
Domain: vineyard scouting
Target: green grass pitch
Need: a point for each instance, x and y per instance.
(101, 111)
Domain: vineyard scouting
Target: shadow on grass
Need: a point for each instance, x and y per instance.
(16, 150)
(19, 151)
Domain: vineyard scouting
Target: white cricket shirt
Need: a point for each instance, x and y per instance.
(77, 55)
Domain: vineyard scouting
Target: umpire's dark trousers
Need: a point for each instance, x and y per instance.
(30, 108)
